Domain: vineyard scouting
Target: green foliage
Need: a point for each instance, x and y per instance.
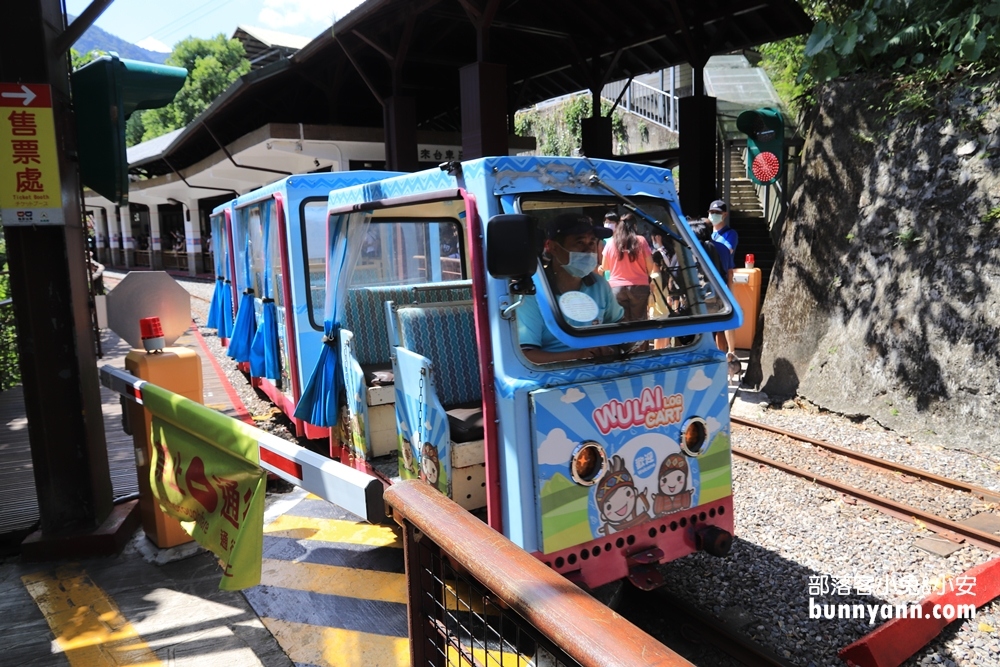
(886, 35)
(78, 59)
(907, 238)
(10, 372)
(558, 130)
(993, 215)
(782, 60)
(212, 65)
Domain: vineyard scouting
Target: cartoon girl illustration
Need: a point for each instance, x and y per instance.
(674, 495)
(430, 466)
(618, 501)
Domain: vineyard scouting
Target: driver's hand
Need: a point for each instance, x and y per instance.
(605, 351)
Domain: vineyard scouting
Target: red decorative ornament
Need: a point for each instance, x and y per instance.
(765, 167)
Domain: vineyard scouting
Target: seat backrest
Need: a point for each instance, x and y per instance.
(365, 313)
(445, 334)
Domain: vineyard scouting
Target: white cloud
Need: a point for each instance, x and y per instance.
(713, 426)
(556, 449)
(153, 44)
(699, 381)
(279, 14)
(572, 396)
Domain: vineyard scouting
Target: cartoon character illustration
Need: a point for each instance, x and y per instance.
(674, 495)
(430, 466)
(406, 451)
(618, 500)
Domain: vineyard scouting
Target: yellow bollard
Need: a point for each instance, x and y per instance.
(746, 290)
(177, 369)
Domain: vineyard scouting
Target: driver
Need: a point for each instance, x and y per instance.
(569, 259)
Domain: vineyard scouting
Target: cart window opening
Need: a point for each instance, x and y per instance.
(409, 252)
(313, 215)
(594, 285)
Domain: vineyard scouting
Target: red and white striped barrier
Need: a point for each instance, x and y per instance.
(355, 491)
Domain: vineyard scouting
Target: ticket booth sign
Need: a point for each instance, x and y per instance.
(30, 192)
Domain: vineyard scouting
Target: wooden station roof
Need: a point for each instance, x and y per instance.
(416, 48)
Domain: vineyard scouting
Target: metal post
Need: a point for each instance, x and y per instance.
(48, 279)
(672, 123)
(128, 244)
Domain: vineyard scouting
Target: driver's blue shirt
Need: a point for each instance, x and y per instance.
(531, 329)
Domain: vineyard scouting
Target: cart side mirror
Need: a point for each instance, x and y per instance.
(512, 246)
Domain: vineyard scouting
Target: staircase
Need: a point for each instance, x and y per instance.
(747, 218)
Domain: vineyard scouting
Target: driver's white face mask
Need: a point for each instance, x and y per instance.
(580, 263)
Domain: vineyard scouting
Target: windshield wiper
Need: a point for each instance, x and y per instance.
(627, 203)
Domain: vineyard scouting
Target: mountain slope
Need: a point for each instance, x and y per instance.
(96, 39)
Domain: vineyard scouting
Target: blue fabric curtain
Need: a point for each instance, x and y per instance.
(321, 396)
(226, 323)
(215, 307)
(226, 314)
(246, 319)
(265, 360)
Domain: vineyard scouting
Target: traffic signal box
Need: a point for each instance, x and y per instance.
(177, 369)
(106, 91)
(765, 130)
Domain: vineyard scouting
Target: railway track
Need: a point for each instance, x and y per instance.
(700, 626)
(944, 527)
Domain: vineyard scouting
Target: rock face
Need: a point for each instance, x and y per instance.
(885, 298)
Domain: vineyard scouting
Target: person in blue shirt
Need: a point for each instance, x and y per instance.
(725, 239)
(569, 258)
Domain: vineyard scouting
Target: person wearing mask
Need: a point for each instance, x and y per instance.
(569, 259)
(725, 239)
(629, 261)
(610, 222)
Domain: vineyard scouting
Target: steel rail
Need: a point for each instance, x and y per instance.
(724, 637)
(982, 493)
(891, 507)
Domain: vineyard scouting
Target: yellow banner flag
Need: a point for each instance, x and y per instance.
(205, 472)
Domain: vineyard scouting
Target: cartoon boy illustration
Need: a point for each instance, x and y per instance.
(406, 452)
(430, 466)
(674, 495)
(618, 501)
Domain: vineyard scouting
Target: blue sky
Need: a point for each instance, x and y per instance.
(158, 25)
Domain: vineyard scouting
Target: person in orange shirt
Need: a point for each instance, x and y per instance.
(629, 261)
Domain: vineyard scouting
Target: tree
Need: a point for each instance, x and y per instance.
(212, 65)
(890, 35)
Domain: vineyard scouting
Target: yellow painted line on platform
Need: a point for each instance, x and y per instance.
(87, 624)
(480, 656)
(333, 580)
(332, 530)
(315, 645)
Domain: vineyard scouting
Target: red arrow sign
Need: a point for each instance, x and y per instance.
(30, 95)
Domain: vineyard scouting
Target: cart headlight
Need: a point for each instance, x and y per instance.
(588, 463)
(694, 437)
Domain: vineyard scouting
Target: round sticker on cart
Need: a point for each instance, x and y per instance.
(578, 307)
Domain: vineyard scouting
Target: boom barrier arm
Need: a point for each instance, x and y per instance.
(462, 575)
(331, 480)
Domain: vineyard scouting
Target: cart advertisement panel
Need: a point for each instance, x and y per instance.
(646, 474)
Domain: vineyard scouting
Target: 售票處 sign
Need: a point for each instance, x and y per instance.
(30, 192)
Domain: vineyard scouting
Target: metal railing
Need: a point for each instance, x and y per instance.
(657, 106)
(476, 599)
